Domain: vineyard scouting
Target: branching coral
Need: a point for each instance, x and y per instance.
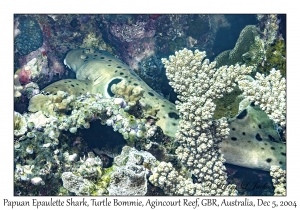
(279, 180)
(197, 83)
(269, 92)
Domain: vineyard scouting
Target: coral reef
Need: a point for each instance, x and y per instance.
(53, 157)
(198, 82)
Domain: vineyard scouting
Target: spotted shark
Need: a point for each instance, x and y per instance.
(251, 143)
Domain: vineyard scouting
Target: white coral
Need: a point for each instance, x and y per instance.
(269, 92)
(198, 83)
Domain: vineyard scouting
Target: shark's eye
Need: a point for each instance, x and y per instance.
(242, 114)
(114, 81)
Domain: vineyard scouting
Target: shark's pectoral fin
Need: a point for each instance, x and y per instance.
(72, 86)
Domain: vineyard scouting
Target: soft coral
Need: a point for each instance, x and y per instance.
(24, 76)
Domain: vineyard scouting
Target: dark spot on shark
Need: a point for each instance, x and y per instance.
(283, 153)
(233, 138)
(135, 84)
(119, 67)
(272, 148)
(262, 148)
(244, 133)
(129, 81)
(126, 76)
(66, 82)
(82, 89)
(151, 94)
(121, 73)
(173, 115)
(95, 55)
(77, 84)
(86, 83)
(242, 114)
(108, 65)
(266, 144)
(116, 71)
(72, 85)
(85, 60)
(69, 81)
(271, 138)
(233, 129)
(109, 60)
(174, 124)
(252, 104)
(258, 137)
(259, 125)
(114, 81)
(280, 162)
(163, 105)
(55, 87)
(269, 160)
(102, 57)
(249, 141)
(164, 117)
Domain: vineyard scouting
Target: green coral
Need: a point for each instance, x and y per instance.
(275, 58)
(256, 53)
(102, 183)
(242, 46)
(50, 104)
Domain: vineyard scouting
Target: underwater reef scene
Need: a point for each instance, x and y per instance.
(151, 104)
